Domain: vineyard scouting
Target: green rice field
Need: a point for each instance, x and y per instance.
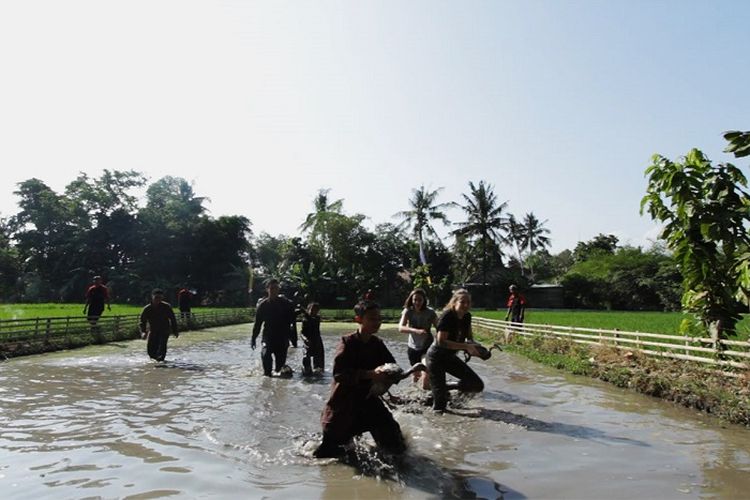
(27, 311)
(633, 321)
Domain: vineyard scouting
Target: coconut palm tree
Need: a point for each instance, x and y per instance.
(423, 210)
(315, 221)
(514, 238)
(533, 235)
(485, 222)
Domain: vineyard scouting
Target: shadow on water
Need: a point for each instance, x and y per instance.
(511, 398)
(532, 424)
(425, 474)
(181, 365)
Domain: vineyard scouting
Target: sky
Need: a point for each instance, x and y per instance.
(559, 105)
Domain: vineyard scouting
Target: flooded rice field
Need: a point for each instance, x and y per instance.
(106, 422)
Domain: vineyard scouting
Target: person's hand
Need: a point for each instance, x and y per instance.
(252, 344)
(144, 335)
(472, 349)
(379, 374)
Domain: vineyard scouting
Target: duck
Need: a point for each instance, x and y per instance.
(394, 375)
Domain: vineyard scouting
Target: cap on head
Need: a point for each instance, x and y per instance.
(157, 291)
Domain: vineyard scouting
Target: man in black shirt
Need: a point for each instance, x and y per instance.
(161, 321)
(277, 316)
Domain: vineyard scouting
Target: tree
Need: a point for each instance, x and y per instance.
(48, 239)
(515, 236)
(704, 209)
(316, 222)
(484, 223)
(423, 210)
(739, 143)
(601, 244)
(10, 267)
(533, 236)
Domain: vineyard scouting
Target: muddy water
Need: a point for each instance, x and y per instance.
(107, 422)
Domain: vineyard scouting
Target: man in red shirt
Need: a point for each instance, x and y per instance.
(516, 305)
(96, 296)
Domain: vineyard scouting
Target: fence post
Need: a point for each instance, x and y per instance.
(47, 330)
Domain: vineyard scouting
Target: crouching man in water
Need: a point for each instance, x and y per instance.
(276, 315)
(161, 322)
(350, 411)
(453, 334)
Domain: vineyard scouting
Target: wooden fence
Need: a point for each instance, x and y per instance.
(35, 335)
(27, 336)
(726, 354)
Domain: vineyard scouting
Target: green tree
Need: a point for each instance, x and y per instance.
(47, 235)
(515, 238)
(704, 209)
(423, 210)
(10, 266)
(600, 244)
(739, 143)
(484, 224)
(534, 236)
(317, 222)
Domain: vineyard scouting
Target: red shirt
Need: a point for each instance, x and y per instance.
(516, 296)
(97, 294)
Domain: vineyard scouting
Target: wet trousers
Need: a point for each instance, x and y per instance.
(370, 416)
(440, 362)
(157, 345)
(273, 351)
(314, 355)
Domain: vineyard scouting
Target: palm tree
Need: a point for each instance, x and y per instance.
(534, 236)
(515, 238)
(315, 221)
(423, 211)
(484, 222)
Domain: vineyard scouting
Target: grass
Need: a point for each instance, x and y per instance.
(51, 310)
(631, 321)
(688, 384)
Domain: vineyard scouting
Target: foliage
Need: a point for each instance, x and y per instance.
(482, 231)
(627, 279)
(705, 212)
(9, 263)
(739, 143)
(96, 227)
(601, 244)
(423, 210)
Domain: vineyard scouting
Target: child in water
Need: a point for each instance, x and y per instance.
(314, 357)
(350, 411)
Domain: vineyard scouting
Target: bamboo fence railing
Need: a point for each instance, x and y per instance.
(26, 336)
(726, 354)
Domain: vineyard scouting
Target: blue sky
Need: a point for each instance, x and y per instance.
(558, 104)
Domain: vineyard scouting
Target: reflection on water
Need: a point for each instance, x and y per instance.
(105, 421)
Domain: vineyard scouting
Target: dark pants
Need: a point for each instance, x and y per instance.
(273, 351)
(440, 362)
(371, 416)
(185, 312)
(415, 355)
(94, 312)
(313, 352)
(157, 345)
